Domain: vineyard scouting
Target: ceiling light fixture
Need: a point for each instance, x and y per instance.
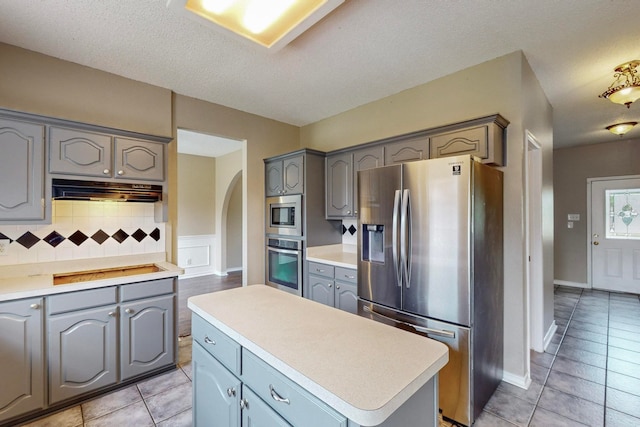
(625, 89)
(621, 128)
(271, 23)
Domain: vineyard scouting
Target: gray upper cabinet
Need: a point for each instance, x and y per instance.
(483, 138)
(21, 171)
(21, 354)
(365, 158)
(406, 151)
(93, 154)
(339, 186)
(284, 176)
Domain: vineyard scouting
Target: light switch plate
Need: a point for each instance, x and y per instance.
(573, 217)
(4, 246)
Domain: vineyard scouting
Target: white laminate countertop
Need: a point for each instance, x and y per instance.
(32, 280)
(340, 255)
(363, 369)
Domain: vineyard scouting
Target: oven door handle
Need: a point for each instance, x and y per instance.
(284, 251)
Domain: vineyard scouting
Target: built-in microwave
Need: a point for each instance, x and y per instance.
(284, 215)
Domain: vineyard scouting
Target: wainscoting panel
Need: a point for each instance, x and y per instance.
(195, 255)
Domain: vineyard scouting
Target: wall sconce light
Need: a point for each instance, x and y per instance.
(269, 23)
(625, 89)
(621, 128)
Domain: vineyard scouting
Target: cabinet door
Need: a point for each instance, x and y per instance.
(321, 290)
(21, 369)
(137, 159)
(81, 352)
(216, 392)
(346, 297)
(406, 151)
(147, 335)
(365, 158)
(466, 141)
(339, 170)
(256, 413)
(21, 170)
(273, 178)
(293, 175)
(79, 153)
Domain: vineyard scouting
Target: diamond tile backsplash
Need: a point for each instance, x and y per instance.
(82, 229)
(349, 231)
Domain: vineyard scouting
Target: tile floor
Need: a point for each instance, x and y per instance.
(589, 376)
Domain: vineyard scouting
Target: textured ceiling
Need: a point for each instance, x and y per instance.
(362, 51)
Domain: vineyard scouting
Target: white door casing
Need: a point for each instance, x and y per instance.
(614, 239)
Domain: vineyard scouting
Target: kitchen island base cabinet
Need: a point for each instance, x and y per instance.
(21, 352)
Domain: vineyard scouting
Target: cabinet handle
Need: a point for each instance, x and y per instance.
(35, 306)
(231, 391)
(106, 171)
(349, 277)
(330, 285)
(121, 172)
(244, 404)
(337, 286)
(277, 397)
(209, 340)
(348, 212)
(355, 212)
(319, 270)
(112, 314)
(129, 311)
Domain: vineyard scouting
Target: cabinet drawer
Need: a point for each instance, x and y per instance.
(81, 299)
(295, 404)
(318, 269)
(346, 275)
(223, 348)
(146, 289)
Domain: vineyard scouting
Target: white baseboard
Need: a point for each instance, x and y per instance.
(571, 284)
(549, 335)
(519, 381)
(234, 269)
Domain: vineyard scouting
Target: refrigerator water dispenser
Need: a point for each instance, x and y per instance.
(373, 242)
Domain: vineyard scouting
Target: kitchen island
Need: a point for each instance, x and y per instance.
(306, 364)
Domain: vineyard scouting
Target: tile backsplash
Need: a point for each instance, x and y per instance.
(83, 229)
(349, 231)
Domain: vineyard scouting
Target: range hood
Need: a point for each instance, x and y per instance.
(66, 189)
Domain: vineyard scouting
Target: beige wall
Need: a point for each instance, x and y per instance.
(234, 228)
(504, 85)
(228, 173)
(196, 195)
(264, 138)
(572, 167)
(41, 84)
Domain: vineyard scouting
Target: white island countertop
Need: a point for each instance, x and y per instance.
(363, 369)
(33, 280)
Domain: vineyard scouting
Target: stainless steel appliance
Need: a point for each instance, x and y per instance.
(284, 264)
(430, 261)
(284, 215)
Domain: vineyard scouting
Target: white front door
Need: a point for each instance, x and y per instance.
(615, 234)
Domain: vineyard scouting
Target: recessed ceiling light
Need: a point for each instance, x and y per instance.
(269, 23)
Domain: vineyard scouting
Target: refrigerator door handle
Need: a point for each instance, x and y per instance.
(394, 239)
(429, 331)
(406, 236)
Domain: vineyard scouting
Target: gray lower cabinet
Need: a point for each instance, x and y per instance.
(216, 391)
(94, 154)
(21, 171)
(333, 286)
(22, 357)
(147, 335)
(233, 387)
(82, 352)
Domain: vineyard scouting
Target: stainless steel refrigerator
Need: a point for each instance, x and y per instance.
(430, 260)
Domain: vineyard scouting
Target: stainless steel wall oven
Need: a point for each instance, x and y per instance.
(284, 264)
